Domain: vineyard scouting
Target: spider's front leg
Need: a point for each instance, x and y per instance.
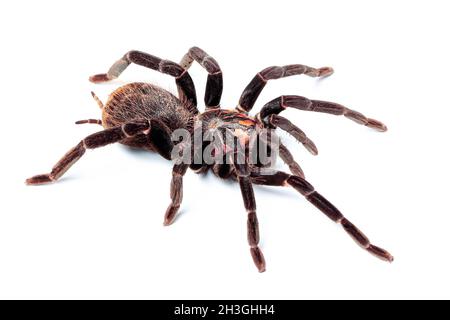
(284, 152)
(271, 110)
(280, 178)
(276, 121)
(287, 157)
(243, 177)
(257, 84)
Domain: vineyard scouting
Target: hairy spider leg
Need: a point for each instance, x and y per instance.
(284, 124)
(297, 102)
(214, 82)
(176, 192)
(158, 132)
(242, 172)
(186, 88)
(287, 157)
(280, 178)
(257, 84)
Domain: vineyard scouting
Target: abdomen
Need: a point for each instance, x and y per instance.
(136, 101)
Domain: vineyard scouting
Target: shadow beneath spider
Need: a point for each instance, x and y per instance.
(145, 155)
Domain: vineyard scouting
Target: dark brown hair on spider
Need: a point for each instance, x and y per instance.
(144, 115)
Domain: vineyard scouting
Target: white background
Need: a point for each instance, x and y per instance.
(98, 232)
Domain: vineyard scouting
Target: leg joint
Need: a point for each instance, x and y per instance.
(301, 185)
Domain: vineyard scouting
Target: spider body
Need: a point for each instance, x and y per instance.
(146, 116)
(143, 101)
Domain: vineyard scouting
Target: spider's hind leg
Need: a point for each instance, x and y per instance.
(156, 130)
(186, 88)
(243, 176)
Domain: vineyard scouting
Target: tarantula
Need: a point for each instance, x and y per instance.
(144, 115)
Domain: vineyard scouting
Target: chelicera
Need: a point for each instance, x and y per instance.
(144, 115)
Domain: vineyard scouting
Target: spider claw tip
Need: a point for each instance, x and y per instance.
(376, 125)
(102, 77)
(326, 72)
(39, 179)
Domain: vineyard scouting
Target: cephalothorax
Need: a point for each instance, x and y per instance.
(145, 116)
